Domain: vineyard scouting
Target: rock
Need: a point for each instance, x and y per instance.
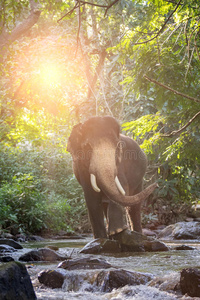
(148, 232)
(6, 248)
(189, 219)
(155, 246)
(6, 258)
(114, 279)
(166, 233)
(131, 241)
(101, 246)
(185, 247)
(160, 227)
(169, 282)
(43, 254)
(84, 263)
(15, 282)
(10, 243)
(181, 231)
(137, 242)
(52, 278)
(7, 235)
(190, 282)
(126, 241)
(35, 238)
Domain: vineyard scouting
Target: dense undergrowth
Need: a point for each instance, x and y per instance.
(38, 192)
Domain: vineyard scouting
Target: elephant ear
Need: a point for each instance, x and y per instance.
(112, 124)
(74, 141)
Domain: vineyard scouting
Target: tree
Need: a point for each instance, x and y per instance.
(64, 61)
(7, 37)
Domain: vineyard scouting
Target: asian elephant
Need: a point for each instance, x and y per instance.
(110, 168)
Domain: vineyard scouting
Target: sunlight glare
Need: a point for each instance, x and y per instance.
(50, 74)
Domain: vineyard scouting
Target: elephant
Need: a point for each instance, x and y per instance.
(110, 168)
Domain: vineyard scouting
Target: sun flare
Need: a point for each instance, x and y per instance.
(50, 74)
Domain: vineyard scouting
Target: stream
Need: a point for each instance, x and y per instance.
(160, 264)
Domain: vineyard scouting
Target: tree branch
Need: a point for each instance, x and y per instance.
(8, 38)
(99, 67)
(80, 3)
(172, 90)
(163, 26)
(176, 132)
(109, 6)
(69, 12)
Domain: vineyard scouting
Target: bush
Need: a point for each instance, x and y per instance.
(23, 204)
(38, 191)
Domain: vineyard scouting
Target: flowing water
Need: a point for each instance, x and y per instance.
(160, 264)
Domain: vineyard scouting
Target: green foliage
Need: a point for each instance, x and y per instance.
(173, 162)
(23, 204)
(38, 191)
(45, 79)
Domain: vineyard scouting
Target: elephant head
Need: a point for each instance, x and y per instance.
(95, 146)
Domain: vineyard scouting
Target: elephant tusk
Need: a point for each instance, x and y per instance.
(94, 183)
(119, 186)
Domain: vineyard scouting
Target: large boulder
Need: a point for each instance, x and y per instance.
(127, 241)
(181, 231)
(43, 254)
(15, 282)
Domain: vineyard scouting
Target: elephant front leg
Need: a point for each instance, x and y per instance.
(134, 213)
(135, 217)
(116, 217)
(96, 215)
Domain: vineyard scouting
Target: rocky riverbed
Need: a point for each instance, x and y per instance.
(66, 273)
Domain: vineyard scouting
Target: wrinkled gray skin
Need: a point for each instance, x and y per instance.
(98, 148)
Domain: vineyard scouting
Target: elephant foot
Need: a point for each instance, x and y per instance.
(130, 240)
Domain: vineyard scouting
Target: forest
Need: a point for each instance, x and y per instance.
(64, 61)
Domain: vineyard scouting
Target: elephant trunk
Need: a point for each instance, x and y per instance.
(103, 175)
(112, 192)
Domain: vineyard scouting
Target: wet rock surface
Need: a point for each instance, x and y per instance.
(184, 247)
(6, 248)
(181, 231)
(15, 282)
(102, 281)
(52, 278)
(6, 258)
(129, 241)
(84, 263)
(90, 277)
(155, 246)
(101, 246)
(190, 282)
(11, 243)
(43, 254)
(114, 279)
